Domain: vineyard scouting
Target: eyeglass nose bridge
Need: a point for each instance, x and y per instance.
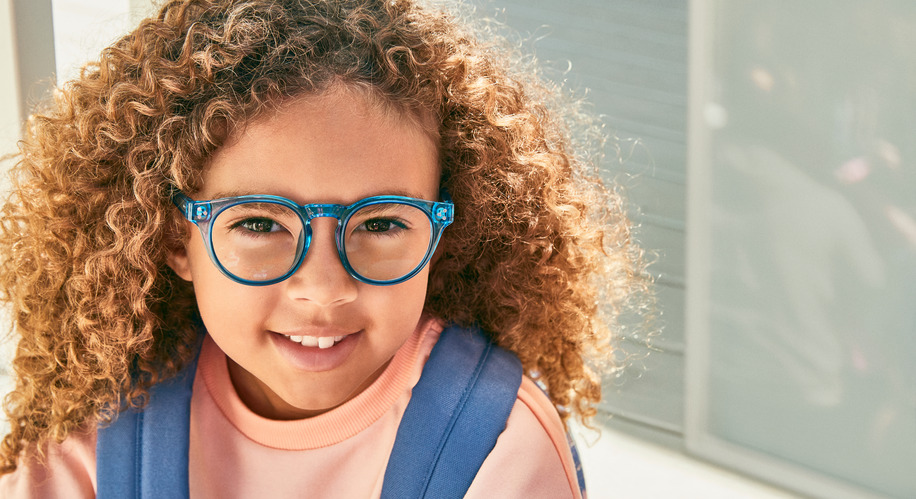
(311, 211)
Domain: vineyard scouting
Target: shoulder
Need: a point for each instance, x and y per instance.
(66, 470)
(532, 457)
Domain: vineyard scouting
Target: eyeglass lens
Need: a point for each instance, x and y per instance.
(261, 241)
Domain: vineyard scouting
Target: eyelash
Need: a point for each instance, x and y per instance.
(388, 221)
(241, 224)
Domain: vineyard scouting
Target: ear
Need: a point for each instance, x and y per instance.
(177, 260)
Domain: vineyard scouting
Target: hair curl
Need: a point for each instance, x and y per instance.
(537, 249)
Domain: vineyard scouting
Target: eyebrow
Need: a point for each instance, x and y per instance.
(375, 209)
(394, 192)
(271, 208)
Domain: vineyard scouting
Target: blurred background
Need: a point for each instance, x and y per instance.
(767, 150)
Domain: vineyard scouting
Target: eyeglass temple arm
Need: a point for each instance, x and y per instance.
(444, 211)
(192, 210)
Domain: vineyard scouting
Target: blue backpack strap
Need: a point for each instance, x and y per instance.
(144, 454)
(580, 475)
(456, 412)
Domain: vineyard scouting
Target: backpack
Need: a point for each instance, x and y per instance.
(456, 412)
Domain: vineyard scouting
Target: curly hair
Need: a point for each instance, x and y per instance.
(538, 250)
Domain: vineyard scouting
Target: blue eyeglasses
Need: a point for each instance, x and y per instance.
(261, 240)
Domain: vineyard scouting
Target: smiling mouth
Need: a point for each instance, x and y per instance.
(317, 341)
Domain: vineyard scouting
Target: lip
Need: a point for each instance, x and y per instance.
(315, 359)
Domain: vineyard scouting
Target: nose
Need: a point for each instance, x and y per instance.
(322, 279)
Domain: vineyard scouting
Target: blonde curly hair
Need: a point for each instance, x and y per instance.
(538, 248)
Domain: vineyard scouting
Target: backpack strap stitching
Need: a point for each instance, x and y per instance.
(138, 457)
(456, 413)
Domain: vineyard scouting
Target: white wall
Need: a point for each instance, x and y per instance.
(9, 90)
(82, 28)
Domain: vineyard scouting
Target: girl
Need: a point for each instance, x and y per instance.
(266, 186)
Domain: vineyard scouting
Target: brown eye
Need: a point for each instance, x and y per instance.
(259, 225)
(378, 225)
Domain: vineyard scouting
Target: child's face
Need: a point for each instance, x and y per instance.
(329, 148)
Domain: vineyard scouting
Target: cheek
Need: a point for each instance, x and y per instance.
(225, 307)
(223, 303)
(413, 295)
(401, 304)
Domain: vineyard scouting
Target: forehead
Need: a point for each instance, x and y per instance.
(337, 146)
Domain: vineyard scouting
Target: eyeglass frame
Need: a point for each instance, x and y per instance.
(201, 213)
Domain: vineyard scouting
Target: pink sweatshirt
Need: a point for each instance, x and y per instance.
(341, 453)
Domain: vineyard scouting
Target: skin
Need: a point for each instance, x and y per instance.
(334, 147)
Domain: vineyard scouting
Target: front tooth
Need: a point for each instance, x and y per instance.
(338, 338)
(325, 342)
(297, 339)
(309, 341)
